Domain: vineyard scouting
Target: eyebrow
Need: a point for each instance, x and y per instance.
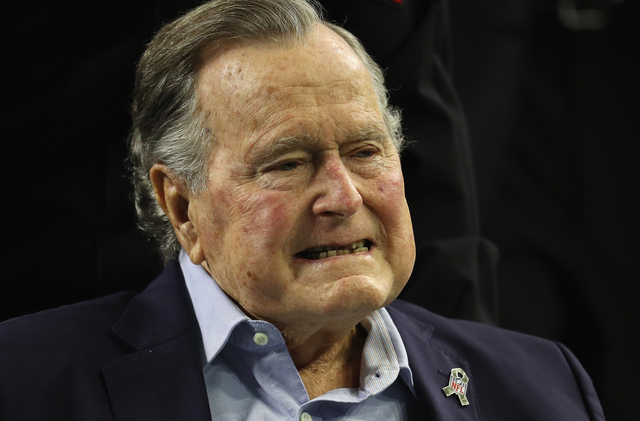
(371, 133)
(281, 146)
(286, 144)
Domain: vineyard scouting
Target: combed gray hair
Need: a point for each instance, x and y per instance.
(168, 119)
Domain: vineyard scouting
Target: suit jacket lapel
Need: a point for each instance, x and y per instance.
(431, 367)
(162, 379)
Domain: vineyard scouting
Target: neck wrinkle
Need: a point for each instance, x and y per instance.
(335, 366)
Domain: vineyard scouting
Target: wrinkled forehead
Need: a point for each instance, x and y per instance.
(324, 58)
(248, 84)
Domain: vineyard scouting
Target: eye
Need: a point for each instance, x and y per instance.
(365, 153)
(288, 166)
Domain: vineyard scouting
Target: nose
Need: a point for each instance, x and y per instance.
(337, 191)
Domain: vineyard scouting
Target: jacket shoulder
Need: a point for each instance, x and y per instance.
(55, 357)
(70, 319)
(511, 372)
(70, 336)
(457, 331)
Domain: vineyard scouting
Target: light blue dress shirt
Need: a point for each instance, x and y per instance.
(250, 376)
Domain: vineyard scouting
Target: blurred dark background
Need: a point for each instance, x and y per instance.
(546, 105)
(552, 97)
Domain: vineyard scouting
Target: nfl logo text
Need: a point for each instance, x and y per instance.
(458, 383)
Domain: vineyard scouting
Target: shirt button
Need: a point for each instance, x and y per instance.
(262, 339)
(305, 417)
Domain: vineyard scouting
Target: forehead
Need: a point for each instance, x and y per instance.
(260, 89)
(323, 56)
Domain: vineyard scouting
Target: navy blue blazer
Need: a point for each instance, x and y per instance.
(136, 357)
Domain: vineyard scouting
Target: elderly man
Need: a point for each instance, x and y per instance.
(266, 165)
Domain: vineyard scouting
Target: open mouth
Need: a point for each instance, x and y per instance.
(323, 252)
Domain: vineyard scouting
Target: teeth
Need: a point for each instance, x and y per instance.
(322, 252)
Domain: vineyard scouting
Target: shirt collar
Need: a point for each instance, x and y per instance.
(218, 316)
(384, 354)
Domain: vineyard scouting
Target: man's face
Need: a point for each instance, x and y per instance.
(302, 161)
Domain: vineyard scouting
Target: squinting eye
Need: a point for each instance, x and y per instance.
(288, 166)
(364, 154)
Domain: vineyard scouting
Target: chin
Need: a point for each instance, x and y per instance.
(359, 296)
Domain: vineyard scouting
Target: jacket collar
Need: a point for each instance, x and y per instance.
(431, 363)
(160, 313)
(162, 379)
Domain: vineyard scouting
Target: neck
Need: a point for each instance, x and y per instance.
(326, 358)
(325, 364)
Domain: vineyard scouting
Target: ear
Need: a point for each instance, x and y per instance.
(174, 198)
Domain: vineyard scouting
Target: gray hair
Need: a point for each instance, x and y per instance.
(168, 119)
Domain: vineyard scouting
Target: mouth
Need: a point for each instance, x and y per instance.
(324, 252)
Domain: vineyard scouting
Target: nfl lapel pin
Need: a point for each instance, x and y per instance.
(458, 382)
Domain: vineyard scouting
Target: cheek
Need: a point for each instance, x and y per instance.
(390, 193)
(262, 223)
(247, 238)
(263, 261)
(394, 212)
(262, 215)
(240, 220)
